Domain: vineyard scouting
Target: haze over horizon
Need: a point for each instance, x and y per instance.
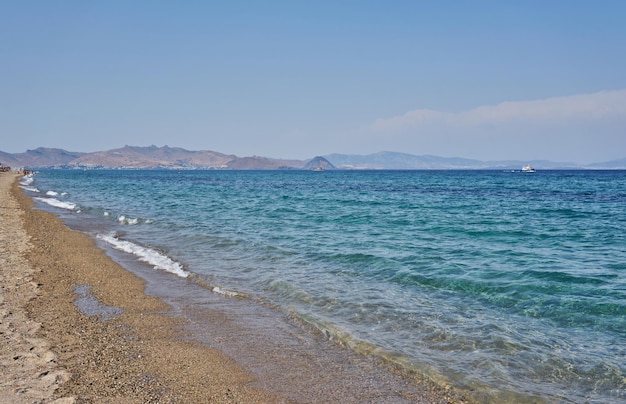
(482, 80)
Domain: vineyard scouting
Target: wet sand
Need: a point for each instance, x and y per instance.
(142, 352)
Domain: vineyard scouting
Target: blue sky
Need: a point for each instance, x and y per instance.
(294, 79)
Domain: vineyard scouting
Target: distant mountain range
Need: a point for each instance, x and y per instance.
(143, 157)
(165, 157)
(402, 161)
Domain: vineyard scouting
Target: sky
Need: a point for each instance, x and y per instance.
(490, 80)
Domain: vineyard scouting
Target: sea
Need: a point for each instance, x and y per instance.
(505, 283)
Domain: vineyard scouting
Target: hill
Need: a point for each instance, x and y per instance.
(143, 158)
(152, 157)
(402, 161)
(40, 157)
(613, 164)
(319, 163)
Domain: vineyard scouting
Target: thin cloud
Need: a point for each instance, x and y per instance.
(550, 111)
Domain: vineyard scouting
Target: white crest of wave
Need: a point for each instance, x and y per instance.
(148, 255)
(52, 193)
(30, 189)
(224, 292)
(27, 180)
(57, 203)
(124, 220)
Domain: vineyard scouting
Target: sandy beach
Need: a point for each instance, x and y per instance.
(52, 352)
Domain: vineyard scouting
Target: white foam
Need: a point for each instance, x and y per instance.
(224, 292)
(57, 203)
(52, 193)
(30, 189)
(124, 220)
(27, 180)
(148, 255)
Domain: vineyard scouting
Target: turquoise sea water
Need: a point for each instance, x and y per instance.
(509, 284)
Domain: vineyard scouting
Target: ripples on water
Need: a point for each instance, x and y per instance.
(508, 284)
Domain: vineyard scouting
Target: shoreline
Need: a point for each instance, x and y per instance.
(140, 356)
(134, 358)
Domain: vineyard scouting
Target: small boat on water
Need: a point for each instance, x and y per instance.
(528, 169)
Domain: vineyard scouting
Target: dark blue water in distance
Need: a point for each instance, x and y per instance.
(508, 283)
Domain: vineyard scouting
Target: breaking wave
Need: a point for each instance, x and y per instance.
(146, 254)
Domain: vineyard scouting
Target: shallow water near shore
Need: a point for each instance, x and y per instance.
(511, 286)
(90, 306)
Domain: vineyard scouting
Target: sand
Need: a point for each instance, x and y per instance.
(51, 352)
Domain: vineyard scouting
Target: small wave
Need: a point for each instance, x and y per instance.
(57, 203)
(26, 183)
(224, 292)
(130, 221)
(27, 180)
(31, 189)
(148, 255)
(216, 289)
(563, 277)
(52, 193)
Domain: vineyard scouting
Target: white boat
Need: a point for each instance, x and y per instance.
(528, 169)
